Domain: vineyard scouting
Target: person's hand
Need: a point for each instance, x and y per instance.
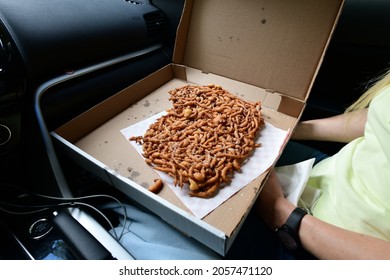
(271, 204)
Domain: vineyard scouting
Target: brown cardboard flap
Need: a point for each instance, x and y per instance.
(275, 45)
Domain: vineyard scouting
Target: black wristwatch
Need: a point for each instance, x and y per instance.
(288, 233)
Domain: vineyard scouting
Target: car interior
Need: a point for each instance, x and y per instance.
(59, 58)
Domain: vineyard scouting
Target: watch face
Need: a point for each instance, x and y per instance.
(287, 239)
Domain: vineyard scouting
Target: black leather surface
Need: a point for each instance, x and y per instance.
(53, 36)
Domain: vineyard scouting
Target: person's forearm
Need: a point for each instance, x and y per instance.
(341, 128)
(323, 240)
(326, 241)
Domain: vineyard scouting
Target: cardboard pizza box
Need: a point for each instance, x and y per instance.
(268, 51)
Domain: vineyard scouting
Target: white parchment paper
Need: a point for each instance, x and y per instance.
(293, 179)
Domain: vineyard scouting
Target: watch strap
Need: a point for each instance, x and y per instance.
(294, 221)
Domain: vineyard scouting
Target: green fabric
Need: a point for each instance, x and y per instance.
(355, 181)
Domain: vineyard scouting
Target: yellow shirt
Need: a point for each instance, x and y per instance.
(355, 182)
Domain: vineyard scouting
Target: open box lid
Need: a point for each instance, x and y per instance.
(276, 45)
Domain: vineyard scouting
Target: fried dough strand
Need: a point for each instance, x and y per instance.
(203, 139)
